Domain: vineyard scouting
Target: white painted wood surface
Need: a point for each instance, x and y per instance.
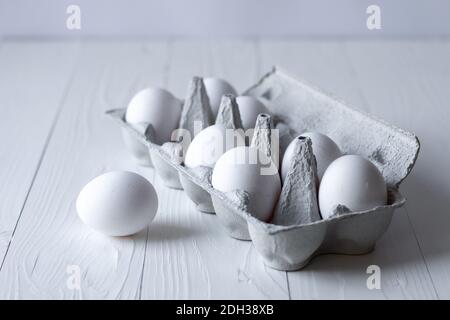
(54, 138)
(330, 66)
(33, 82)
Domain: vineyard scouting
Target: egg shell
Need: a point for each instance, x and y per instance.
(157, 107)
(243, 168)
(249, 109)
(215, 89)
(354, 182)
(324, 148)
(117, 203)
(210, 144)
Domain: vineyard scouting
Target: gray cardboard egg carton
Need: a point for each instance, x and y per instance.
(295, 235)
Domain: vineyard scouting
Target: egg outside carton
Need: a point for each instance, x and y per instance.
(306, 108)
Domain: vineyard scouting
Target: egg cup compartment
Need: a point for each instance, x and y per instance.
(173, 173)
(196, 193)
(291, 247)
(137, 138)
(300, 107)
(138, 150)
(165, 171)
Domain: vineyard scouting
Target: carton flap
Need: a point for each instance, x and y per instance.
(305, 108)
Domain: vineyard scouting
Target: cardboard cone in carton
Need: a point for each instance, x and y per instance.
(228, 113)
(196, 114)
(298, 200)
(172, 151)
(266, 138)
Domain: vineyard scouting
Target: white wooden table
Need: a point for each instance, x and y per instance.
(54, 138)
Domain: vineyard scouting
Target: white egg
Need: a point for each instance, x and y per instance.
(250, 108)
(248, 169)
(215, 89)
(325, 150)
(157, 107)
(117, 203)
(354, 182)
(209, 145)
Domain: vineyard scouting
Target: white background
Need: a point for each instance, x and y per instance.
(224, 17)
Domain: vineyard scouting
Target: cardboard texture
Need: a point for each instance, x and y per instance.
(296, 233)
(298, 198)
(228, 113)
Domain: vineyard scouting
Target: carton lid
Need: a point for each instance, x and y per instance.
(305, 108)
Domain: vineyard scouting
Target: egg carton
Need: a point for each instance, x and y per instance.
(295, 107)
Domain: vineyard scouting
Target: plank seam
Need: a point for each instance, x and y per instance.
(143, 266)
(41, 157)
(165, 83)
(288, 286)
(421, 252)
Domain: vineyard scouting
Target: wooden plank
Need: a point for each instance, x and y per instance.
(415, 78)
(189, 256)
(50, 237)
(322, 63)
(237, 61)
(403, 271)
(33, 80)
